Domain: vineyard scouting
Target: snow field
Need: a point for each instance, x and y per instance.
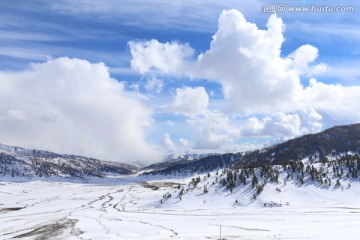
(130, 208)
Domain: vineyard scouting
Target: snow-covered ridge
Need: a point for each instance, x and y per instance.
(331, 144)
(328, 145)
(20, 162)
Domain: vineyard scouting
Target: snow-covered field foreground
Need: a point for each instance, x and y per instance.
(141, 208)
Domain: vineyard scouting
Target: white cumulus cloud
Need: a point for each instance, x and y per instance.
(339, 103)
(284, 125)
(74, 106)
(244, 59)
(190, 101)
(302, 57)
(167, 143)
(167, 58)
(255, 77)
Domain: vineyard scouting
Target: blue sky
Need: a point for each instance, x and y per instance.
(137, 80)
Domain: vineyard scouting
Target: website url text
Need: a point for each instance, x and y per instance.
(281, 8)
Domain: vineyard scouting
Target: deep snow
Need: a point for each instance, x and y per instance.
(133, 207)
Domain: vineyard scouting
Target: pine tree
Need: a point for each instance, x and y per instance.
(205, 189)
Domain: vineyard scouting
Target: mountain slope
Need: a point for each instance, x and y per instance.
(173, 160)
(15, 161)
(205, 164)
(331, 143)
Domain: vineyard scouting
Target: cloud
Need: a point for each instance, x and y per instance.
(310, 121)
(190, 101)
(154, 85)
(167, 143)
(73, 106)
(16, 114)
(212, 127)
(323, 31)
(23, 53)
(255, 77)
(184, 146)
(339, 103)
(209, 139)
(247, 62)
(190, 15)
(165, 57)
(283, 125)
(244, 59)
(347, 71)
(302, 57)
(214, 130)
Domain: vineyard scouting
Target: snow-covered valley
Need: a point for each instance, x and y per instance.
(149, 207)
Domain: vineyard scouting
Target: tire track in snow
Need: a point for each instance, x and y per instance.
(173, 233)
(104, 201)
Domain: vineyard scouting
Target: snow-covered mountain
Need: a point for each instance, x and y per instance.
(200, 165)
(336, 143)
(16, 161)
(331, 144)
(188, 157)
(173, 160)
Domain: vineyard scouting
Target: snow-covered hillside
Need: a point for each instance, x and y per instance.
(20, 162)
(306, 188)
(151, 207)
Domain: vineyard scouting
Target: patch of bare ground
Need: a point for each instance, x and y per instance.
(157, 185)
(5, 210)
(51, 231)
